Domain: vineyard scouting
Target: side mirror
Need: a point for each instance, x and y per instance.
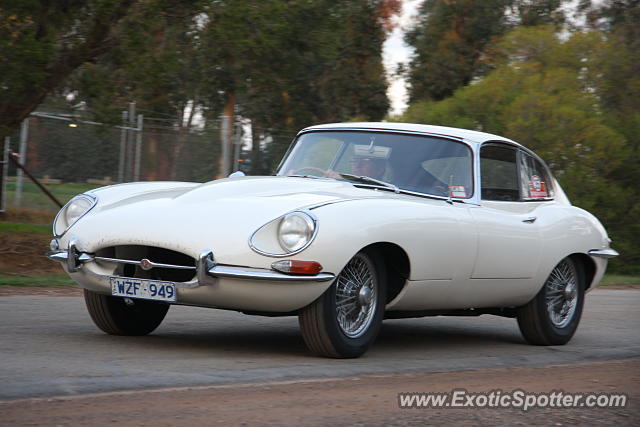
(237, 174)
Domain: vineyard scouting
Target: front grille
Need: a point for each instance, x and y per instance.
(127, 257)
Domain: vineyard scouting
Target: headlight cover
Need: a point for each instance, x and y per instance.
(286, 235)
(75, 209)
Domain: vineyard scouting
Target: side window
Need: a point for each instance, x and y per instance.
(535, 182)
(499, 172)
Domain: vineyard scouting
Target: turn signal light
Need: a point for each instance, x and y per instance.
(297, 267)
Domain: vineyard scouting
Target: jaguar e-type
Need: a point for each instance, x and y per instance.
(361, 222)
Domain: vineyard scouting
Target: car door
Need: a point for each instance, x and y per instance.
(509, 244)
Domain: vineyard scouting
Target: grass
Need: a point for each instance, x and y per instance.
(16, 227)
(620, 279)
(60, 279)
(33, 197)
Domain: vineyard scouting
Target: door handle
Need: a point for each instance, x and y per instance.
(530, 220)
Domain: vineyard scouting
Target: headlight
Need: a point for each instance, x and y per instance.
(295, 231)
(78, 207)
(285, 235)
(72, 212)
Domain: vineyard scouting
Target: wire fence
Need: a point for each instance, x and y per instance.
(70, 156)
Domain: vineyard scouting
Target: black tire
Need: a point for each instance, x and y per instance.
(541, 321)
(120, 316)
(321, 329)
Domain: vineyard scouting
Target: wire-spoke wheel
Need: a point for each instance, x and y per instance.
(356, 291)
(552, 317)
(345, 320)
(562, 294)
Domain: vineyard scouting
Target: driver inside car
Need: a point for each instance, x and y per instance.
(369, 166)
(372, 167)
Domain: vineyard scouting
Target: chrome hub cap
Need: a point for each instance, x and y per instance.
(364, 296)
(356, 297)
(562, 294)
(570, 291)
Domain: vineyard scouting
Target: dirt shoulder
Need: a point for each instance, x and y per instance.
(367, 400)
(24, 253)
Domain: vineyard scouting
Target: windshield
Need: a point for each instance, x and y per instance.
(421, 164)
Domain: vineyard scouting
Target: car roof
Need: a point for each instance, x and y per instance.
(468, 135)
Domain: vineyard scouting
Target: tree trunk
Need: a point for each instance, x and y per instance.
(224, 161)
(183, 132)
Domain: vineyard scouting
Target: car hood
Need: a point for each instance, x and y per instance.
(274, 192)
(219, 215)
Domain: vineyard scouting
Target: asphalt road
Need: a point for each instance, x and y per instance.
(49, 346)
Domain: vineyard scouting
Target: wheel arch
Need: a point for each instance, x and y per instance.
(397, 266)
(589, 267)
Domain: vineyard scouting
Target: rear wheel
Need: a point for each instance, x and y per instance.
(124, 316)
(346, 319)
(552, 317)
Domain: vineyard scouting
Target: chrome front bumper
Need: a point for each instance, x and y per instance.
(213, 285)
(206, 267)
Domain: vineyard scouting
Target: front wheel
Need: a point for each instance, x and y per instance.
(124, 316)
(552, 317)
(345, 320)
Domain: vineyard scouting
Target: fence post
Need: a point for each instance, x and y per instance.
(4, 169)
(136, 169)
(123, 147)
(24, 137)
(128, 174)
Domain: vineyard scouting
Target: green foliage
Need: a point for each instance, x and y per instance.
(284, 65)
(448, 40)
(154, 62)
(452, 40)
(15, 227)
(42, 42)
(619, 279)
(558, 98)
(329, 71)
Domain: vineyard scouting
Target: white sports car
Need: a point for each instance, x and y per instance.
(363, 221)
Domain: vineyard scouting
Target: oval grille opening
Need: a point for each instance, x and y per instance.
(154, 254)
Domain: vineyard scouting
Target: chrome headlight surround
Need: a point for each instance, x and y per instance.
(277, 238)
(70, 213)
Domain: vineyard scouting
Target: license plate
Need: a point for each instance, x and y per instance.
(142, 288)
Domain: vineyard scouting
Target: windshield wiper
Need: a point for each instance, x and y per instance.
(307, 176)
(368, 179)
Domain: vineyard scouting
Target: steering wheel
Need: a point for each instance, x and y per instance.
(310, 168)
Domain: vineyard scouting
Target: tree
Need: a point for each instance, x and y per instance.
(43, 42)
(283, 65)
(452, 37)
(329, 71)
